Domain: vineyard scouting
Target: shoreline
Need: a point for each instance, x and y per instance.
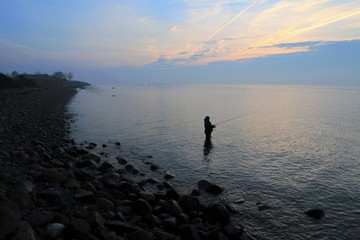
(52, 188)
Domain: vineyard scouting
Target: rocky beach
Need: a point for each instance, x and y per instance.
(54, 188)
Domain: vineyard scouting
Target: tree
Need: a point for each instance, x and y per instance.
(70, 76)
(14, 74)
(59, 75)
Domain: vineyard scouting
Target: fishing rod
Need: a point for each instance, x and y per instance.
(228, 120)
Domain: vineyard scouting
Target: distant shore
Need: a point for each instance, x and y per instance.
(51, 188)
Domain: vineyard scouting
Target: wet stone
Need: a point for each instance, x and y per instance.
(141, 207)
(209, 187)
(83, 195)
(40, 218)
(315, 213)
(54, 230)
(104, 204)
(121, 160)
(9, 217)
(77, 227)
(140, 234)
(25, 232)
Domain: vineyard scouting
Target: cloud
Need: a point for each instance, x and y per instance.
(123, 33)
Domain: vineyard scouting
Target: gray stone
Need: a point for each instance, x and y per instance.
(152, 180)
(170, 224)
(140, 234)
(209, 187)
(218, 213)
(83, 195)
(93, 156)
(121, 160)
(77, 227)
(54, 230)
(173, 207)
(9, 217)
(105, 165)
(176, 193)
(104, 204)
(186, 231)
(40, 218)
(233, 231)
(315, 213)
(72, 184)
(263, 207)
(53, 198)
(20, 196)
(141, 207)
(120, 226)
(25, 232)
(147, 196)
(152, 220)
(26, 185)
(190, 203)
(52, 175)
(96, 220)
(161, 235)
(129, 167)
(168, 175)
(111, 176)
(154, 167)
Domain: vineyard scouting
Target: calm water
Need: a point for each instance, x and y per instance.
(291, 148)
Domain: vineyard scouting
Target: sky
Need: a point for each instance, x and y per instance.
(200, 41)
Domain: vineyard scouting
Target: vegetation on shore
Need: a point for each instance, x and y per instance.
(38, 80)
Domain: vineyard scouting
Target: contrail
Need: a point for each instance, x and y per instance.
(324, 23)
(242, 12)
(287, 34)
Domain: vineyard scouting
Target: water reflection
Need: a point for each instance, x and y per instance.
(207, 146)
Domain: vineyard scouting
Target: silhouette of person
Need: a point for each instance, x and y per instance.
(208, 127)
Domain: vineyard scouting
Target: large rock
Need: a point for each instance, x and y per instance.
(315, 213)
(190, 203)
(209, 187)
(176, 193)
(218, 213)
(9, 217)
(173, 207)
(140, 234)
(25, 232)
(104, 204)
(53, 175)
(40, 218)
(53, 198)
(233, 231)
(141, 207)
(147, 196)
(186, 231)
(54, 230)
(96, 220)
(105, 166)
(93, 156)
(120, 227)
(20, 195)
(77, 228)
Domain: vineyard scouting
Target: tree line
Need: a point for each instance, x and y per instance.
(57, 75)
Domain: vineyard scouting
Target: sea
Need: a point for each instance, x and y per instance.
(288, 148)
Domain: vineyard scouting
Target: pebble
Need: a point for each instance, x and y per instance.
(72, 193)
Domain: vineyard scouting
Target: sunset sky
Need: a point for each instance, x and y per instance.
(241, 41)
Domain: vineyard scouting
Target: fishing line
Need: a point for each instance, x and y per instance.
(228, 120)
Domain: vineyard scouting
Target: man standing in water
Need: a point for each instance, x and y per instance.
(208, 127)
